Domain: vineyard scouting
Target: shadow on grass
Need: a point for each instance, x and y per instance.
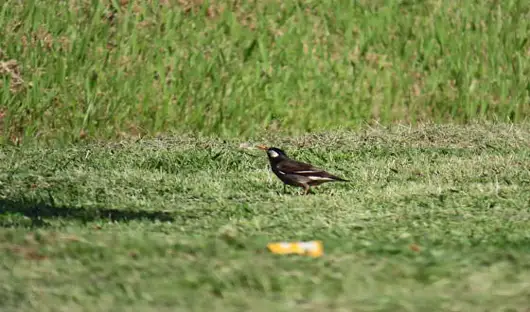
(11, 212)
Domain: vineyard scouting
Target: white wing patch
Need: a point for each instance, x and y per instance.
(307, 171)
(315, 178)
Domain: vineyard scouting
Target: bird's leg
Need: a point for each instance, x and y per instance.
(284, 189)
(306, 189)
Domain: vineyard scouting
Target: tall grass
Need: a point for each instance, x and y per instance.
(75, 69)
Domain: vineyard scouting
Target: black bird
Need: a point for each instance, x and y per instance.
(296, 173)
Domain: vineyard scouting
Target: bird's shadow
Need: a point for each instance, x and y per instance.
(39, 211)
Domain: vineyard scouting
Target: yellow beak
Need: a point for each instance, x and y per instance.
(262, 147)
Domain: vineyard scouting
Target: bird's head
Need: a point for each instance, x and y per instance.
(273, 153)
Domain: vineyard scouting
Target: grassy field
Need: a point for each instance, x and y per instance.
(125, 183)
(84, 69)
(437, 218)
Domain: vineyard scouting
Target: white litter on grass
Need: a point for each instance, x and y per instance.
(246, 145)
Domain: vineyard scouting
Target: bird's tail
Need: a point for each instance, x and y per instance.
(335, 178)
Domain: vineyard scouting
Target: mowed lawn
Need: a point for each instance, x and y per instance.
(436, 218)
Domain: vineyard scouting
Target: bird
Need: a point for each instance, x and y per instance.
(296, 173)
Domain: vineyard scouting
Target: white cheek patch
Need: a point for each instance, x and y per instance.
(273, 154)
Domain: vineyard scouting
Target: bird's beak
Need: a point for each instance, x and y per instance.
(262, 147)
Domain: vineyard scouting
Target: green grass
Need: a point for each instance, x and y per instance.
(95, 69)
(437, 218)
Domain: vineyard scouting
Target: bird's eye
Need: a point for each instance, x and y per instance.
(273, 154)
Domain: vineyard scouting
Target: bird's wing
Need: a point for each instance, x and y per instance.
(307, 170)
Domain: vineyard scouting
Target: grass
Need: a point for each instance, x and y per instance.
(73, 70)
(437, 218)
(144, 198)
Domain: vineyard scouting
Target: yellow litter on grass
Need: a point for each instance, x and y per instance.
(312, 248)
